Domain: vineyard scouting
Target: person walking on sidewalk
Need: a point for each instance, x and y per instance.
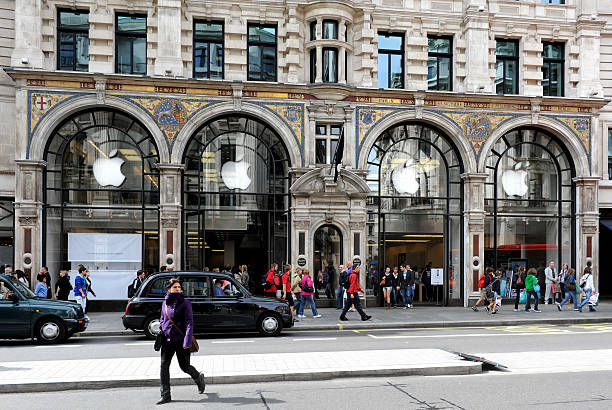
(270, 282)
(551, 279)
(563, 279)
(80, 289)
(387, 285)
(570, 289)
(395, 288)
(308, 290)
(296, 289)
(176, 323)
(41, 287)
(286, 286)
(518, 285)
(483, 282)
(588, 287)
(353, 296)
(530, 282)
(340, 293)
(63, 286)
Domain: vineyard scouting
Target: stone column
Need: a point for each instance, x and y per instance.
(169, 60)
(28, 216)
(587, 214)
(342, 54)
(170, 229)
(476, 35)
(588, 41)
(28, 35)
(319, 73)
(474, 215)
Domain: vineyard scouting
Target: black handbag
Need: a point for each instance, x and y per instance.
(159, 340)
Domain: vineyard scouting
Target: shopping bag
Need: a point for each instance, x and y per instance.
(523, 297)
(498, 301)
(536, 288)
(594, 299)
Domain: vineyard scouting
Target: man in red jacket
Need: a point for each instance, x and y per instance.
(270, 292)
(352, 295)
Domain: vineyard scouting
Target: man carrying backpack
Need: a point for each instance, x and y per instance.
(136, 283)
(352, 293)
(271, 282)
(483, 282)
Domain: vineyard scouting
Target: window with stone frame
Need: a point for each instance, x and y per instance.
(262, 45)
(553, 66)
(72, 40)
(131, 44)
(208, 49)
(390, 60)
(506, 67)
(440, 63)
(610, 153)
(553, 1)
(326, 141)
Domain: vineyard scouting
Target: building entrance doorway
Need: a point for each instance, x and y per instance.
(327, 256)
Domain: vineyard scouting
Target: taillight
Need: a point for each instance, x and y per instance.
(127, 307)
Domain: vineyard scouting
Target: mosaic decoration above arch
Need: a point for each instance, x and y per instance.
(366, 119)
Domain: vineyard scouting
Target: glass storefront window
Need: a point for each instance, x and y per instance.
(415, 208)
(529, 199)
(236, 202)
(7, 232)
(102, 189)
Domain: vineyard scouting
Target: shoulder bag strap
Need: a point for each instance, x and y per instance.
(172, 321)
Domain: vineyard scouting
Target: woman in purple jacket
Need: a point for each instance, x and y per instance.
(178, 341)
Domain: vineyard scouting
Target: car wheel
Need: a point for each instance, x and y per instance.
(50, 330)
(270, 324)
(151, 327)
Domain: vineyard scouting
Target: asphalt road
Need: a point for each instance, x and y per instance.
(486, 391)
(493, 339)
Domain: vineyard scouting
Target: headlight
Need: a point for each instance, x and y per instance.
(283, 309)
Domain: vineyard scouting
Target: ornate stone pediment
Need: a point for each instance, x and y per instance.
(321, 180)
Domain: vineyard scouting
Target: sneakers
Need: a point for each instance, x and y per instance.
(592, 310)
(474, 308)
(558, 306)
(352, 310)
(576, 310)
(343, 319)
(537, 310)
(516, 310)
(405, 307)
(366, 318)
(317, 316)
(494, 312)
(301, 316)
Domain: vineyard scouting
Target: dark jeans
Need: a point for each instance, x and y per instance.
(168, 350)
(407, 295)
(518, 297)
(340, 296)
(531, 293)
(352, 299)
(298, 302)
(394, 296)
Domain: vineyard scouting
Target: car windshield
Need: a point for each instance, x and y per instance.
(25, 291)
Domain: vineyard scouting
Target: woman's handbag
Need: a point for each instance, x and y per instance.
(194, 343)
(159, 340)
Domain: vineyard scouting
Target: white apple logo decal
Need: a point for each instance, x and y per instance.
(404, 178)
(235, 176)
(514, 181)
(107, 171)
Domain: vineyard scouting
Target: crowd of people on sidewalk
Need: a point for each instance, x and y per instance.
(560, 287)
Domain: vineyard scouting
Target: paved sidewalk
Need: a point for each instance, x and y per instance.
(109, 323)
(19, 377)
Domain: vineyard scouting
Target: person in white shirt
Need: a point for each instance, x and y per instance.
(551, 277)
(588, 287)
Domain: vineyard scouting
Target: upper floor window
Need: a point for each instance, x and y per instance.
(553, 68)
(131, 44)
(73, 40)
(207, 50)
(610, 153)
(330, 29)
(390, 60)
(313, 30)
(330, 65)
(440, 63)
(553, 1)
(326, 141)
(262, 52)
(506, 67)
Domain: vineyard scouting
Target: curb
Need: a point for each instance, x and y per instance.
(466, 368)
(394, 325)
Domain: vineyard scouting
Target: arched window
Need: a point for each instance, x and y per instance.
(415, 207)
(529, 200)
(101, 199)
(236, 196)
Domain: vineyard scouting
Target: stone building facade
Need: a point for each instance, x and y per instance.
(460, 148)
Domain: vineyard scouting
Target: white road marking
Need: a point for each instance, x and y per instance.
(559, 333)
(139, 344)
(315, 339)
(55, 346)
(234, 341)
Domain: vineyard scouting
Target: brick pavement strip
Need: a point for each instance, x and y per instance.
(123, 372)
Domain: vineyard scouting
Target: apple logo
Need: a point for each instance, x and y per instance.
(107, 171)
(514, 180)
(404, 178)
(234, 174)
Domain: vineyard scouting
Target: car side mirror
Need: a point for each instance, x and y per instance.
(14, 297)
